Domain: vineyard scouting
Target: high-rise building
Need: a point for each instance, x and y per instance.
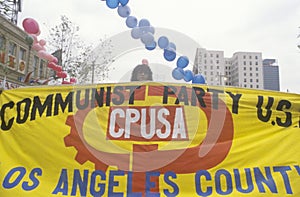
(271, 74)
(243, 69)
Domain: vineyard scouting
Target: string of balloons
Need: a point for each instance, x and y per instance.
(31, 27)
(143, 30)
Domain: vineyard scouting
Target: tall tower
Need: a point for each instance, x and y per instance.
(10, 8)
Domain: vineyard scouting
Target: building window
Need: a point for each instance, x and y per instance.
(35, 66)
(250, 63)
(244, 68)
(251, 80)
(2, 49)
(12, 52)
(250, 74)
(256, 63)
(250, 68)
(245, 80)
(257, 80)
(256, 57)
(244, 56)
(41, 68)
(250, 57)
(217, 55)
(256, 68)
(257, 86)
(211, 55)
(257, 74)
(251, 86)
(244, 62)
(217, 61)
(245, 74)
(22, 62)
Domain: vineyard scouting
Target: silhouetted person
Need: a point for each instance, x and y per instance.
(141, 72)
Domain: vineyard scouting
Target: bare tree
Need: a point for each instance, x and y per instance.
(98, 64)
(77, 58)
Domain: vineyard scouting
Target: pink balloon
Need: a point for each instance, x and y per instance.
(64, 74)
(31, 26)
(42, 42)
(65, 82)
(37, 47)
(38, 33)
(54, 59)
(73, 80)
(144, 61)
(48, 57)
(42, 54)
(51, 65)
(58, 68)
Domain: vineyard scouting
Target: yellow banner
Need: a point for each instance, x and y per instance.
(149, 139)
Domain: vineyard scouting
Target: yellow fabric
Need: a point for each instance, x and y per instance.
(149, 139)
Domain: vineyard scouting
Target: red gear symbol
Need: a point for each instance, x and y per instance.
(83, 154)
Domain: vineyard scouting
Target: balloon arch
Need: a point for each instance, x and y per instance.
(140, 29)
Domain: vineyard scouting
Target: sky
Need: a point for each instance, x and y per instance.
(269, 26)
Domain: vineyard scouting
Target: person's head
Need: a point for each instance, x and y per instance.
(141, 72)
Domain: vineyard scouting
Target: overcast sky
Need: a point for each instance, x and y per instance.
(267, 26)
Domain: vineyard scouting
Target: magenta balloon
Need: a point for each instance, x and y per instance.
(58, 68)
(54, 59)
(64, 74)
(31, 26)
(37, 47)
(48, 57)
(43, 54)
(73, 80)
(51, 65)
(59, 74)
(42, 42)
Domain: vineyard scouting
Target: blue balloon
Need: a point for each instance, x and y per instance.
(112, 3)
(131, 21)
(163, 42)
(136, 33)
(146, 29)
(188, 75)
(144, 23)
(124, 11)
(123, 2)
(172, 45)
(147, 38)
(198, 79)
(182, 61)
(178, 73)
(151, 46)
(151, 29)
(169, 54)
